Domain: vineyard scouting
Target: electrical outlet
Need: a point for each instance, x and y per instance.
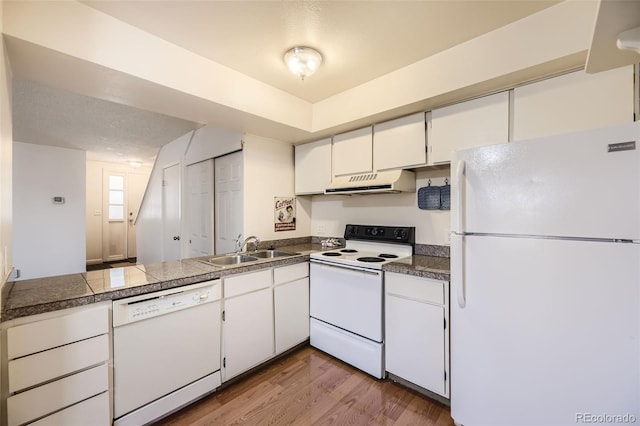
(321, 229)
(447, 237)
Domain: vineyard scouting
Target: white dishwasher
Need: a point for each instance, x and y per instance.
(166, 351)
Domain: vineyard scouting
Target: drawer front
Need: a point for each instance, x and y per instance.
(240, 284)
(93, 411)
(422, 289)
(42, 335)
(48, 365)
(40, 401)
(290, 273)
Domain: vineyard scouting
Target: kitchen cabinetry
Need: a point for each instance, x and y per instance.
(470, 124)
(417, 333)
(313, 167)
(58, 368)
(400, 143)
(291, 301)
(352, 152)
(247, 322)
(573, 102)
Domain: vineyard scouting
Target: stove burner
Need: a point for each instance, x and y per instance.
(331, 253)
(349, 251)
(387, 256)
(370, 259)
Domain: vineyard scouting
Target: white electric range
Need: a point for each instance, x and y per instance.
(347, 294)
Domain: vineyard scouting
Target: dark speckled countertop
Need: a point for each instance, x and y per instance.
(30, 297)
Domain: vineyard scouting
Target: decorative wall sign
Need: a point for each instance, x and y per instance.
(285, 213)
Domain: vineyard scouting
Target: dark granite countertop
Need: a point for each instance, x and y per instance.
(30, 297)
(433, 267)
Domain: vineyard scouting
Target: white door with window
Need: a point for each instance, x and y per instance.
(229, 206)
(172, 249)
(199, 208)
(114, 229)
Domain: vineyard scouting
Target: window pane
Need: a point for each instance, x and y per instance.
(116, 212)
(116, 182)
(116, 197)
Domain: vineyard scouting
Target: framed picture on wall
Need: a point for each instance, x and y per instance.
(285, 213)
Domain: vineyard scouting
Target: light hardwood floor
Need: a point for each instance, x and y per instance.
(308, 388)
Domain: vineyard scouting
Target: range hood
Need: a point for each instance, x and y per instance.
(375, 182)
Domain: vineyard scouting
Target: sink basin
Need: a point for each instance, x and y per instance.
(231, 260)
(267, 254)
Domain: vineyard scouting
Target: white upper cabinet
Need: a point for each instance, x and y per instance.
(400, 143)
(478, 122)
(313, 167)
(353, 152)
(573, 102)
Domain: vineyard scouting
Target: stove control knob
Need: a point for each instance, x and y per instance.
(374, 231)
(400, 234)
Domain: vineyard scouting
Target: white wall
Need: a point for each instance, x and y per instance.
(6, 141)
(48, 239)
(211, 142)
(269, 173)
(330, 213)
(95, 190)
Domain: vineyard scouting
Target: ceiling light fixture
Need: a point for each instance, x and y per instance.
(302, 61)
(135, 164)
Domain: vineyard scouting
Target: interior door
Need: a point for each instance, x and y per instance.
(229, 206)
(136, 184)
(114, 226)
(171, 212)
(200, 208)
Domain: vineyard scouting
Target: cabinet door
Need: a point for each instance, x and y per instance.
(291, 314)
(353, 152)
(400, 143)
(415, 342)
(573, 102)
(248, 331)
(313, 167)
(478, 122)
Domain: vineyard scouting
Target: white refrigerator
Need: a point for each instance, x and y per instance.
(545, 281)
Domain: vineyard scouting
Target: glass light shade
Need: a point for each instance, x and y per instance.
(303, 61)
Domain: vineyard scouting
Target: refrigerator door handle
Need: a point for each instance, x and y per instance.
(460, 196)
(457, 269)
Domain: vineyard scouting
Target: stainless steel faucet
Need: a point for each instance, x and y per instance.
(240, 245)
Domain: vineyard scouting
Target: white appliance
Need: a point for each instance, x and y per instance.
(387, 181)
(346, 294)
(545, 317)
(166, 351)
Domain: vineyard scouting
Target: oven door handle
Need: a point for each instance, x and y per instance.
(354, 268)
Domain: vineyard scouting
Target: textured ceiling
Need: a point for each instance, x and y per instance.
(360, 40)
(107, 130)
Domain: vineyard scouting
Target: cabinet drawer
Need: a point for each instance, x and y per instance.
(422, 289)
(246, 283)
(48, 365)
(42, 335)
(93, 411)
(40, 401)
(286, 274)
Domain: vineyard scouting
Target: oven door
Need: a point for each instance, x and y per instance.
(347, 297)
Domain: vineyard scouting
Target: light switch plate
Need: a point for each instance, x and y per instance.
(447, 237)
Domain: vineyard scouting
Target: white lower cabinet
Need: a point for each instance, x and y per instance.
(58, 368)
(417, 334)
(291, 303)
(247, 322)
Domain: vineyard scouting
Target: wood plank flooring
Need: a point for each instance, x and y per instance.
(309, 387)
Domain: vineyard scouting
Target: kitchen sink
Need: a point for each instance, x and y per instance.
(231, 260)
(265, 254)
